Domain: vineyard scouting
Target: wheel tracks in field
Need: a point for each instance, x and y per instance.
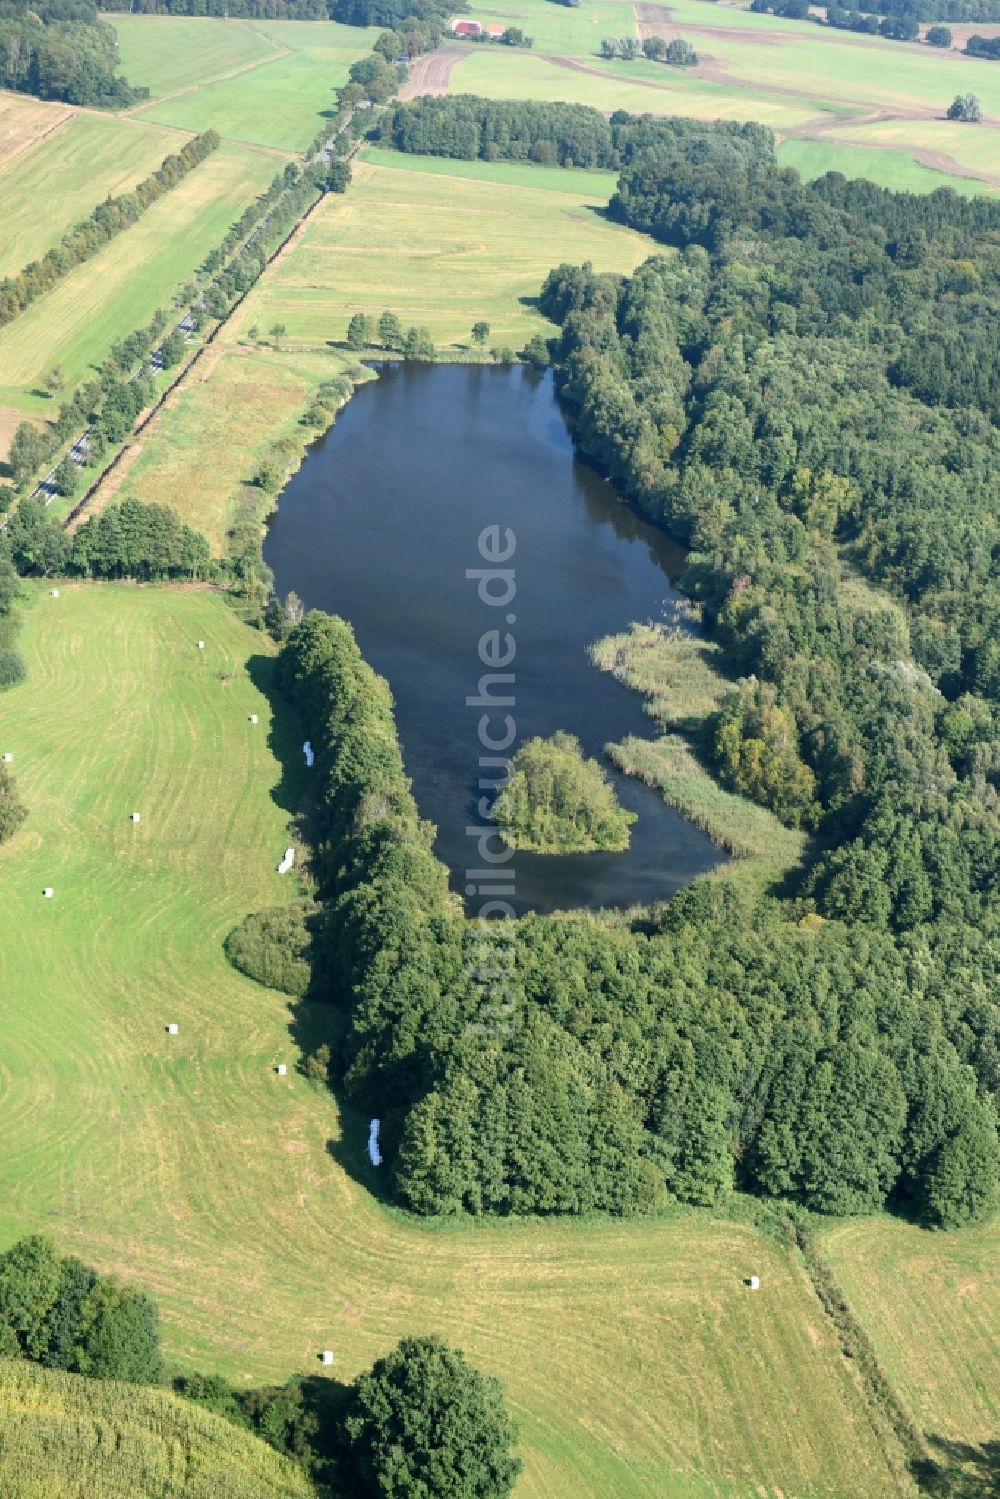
(430, 73)
(825, 128)
(35, 140)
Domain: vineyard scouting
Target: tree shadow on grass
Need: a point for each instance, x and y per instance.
(285, 739)
(960, 1470)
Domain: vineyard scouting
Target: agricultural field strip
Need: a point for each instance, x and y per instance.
(61, 177)
(273, 99)
(118, 290)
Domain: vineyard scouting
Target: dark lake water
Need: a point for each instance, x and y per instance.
(381, 525)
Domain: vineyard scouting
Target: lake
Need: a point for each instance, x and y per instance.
(394, 519)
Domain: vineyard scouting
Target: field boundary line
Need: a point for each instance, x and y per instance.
(898, 1435)
(36, 140)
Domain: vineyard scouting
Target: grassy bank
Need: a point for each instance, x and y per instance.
(680, 676)
(930, 1304)
(238, 402)
(440, 249)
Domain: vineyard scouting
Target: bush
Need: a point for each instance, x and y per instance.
(426, 1422)
(60, 1312)
(12, 668)
(274, 947)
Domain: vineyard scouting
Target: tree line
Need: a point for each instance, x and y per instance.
(471, 128)
(62, 50)
(421, 1420)
(12, 670)
(866, 18)
(984, 46)
(109, 218)
(109, 405)
(722, 1045)
(130, 539)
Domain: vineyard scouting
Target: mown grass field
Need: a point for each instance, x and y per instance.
(169, 53)
(62, 177)
(66, 1437)
(635, 1359)
(137, 272)
(441, 250)
(931, 1305)
(266, 82)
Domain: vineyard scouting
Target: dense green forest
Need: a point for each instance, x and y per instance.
(570, 135)
(564, 1064)
(61, 49)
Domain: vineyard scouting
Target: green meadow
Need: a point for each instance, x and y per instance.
(167, 54)
(893, 169)
(103, 299)
(640, 87)
(271, 91)
(635, 1360)
(441, 248)
(60, 179)
(931, 1305)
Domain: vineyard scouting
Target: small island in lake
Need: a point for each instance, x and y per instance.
(559, 802)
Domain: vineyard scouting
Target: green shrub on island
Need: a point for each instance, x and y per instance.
(558, 802)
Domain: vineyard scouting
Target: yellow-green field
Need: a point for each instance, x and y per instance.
(67, 1437)
(931, 1305)
(62, 177)
(634, 1357)
(24, 120)
(441, 250)
(249, 399)
(105, 298)
(264, 82)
